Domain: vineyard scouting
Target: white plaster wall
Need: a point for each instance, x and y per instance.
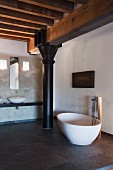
(28, 80)
(93, 51)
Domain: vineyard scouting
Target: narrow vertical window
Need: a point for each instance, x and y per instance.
(25, 66)
(3, 64)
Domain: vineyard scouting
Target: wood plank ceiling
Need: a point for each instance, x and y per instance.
(19, 19)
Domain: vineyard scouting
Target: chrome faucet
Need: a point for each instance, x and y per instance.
(94, 108)
(95, 113)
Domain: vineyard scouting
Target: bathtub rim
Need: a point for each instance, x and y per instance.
(91, 126)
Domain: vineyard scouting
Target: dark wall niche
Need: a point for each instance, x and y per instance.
(85, 79)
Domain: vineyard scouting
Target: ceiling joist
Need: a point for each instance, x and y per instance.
(16, 34)
(30, 9)
(14, 38)
(58, 5)
(16, 29)
(23, 24)
(7, 13)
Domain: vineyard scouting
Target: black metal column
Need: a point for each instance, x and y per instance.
(48, 52)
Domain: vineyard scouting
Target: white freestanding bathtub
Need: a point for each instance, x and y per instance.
(78, 128)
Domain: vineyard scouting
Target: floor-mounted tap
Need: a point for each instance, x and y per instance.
(96, 109)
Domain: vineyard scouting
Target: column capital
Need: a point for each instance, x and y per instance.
(48, 53)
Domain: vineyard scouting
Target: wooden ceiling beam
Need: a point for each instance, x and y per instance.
(58, 5)
(16, 29)
(16, 34)
(14, 38)
(7, 13)
(23, 24)
(30, 9)
(86, 18)
(30, 45)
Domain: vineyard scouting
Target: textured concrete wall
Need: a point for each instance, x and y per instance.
(28, 80)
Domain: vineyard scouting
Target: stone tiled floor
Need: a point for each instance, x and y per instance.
(27, 146)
